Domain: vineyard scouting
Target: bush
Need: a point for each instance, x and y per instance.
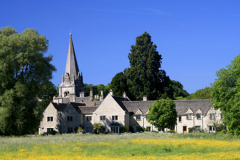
(219, 127)
(171, 131)
(195, 130)
(97, 128)
(79, 130)
(123, 129)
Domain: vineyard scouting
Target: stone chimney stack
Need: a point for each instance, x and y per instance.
(124, 95)
(102, 94)
(91, 94)
(111, 92)
(144, 98)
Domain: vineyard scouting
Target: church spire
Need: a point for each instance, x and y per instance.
(71, 66)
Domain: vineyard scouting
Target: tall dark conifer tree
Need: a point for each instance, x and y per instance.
(144, 77)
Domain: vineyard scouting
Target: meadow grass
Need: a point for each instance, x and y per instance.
(146, 145)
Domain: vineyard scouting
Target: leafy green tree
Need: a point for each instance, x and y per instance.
(97, 89)
(174, 90)
(162, 114)
(47, 89)
(119, 84)
(144, 77)
(23, 68)
(225, 94)
(204, 93)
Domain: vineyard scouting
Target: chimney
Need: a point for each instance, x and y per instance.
(111, 92)
(144, 98)
(102, 93)
(124, 95)
(91, 93)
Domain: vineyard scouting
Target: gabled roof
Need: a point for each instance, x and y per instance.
(134, 106)
(59, 106)
(182, 106)
(71, 65)
(87, 110)
(120, 101)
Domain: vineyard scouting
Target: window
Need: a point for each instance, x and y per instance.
(146, 116)
(211, 129)
(212, 116)
(66, 93)
(114, 118)
(148, 128)
(89, 118)
(221, 115)
(189, 116)
(70, 130)
(198, 115)
(180, 118)
(138, 117)
(49, 119)
(49, 130)
(69, 118)
(102, 118)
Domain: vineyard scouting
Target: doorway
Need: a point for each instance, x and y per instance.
(184, 129)
(115, 129)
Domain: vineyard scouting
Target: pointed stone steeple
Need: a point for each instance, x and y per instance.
(72, 84)
(71, 65)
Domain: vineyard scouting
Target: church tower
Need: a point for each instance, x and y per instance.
(72, 85)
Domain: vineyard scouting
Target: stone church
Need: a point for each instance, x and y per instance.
(72, 109)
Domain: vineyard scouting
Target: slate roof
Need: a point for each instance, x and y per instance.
(120, 101)
(80, 107)
(183, 105)
(59, 106)
(87, 110)
(133, 106)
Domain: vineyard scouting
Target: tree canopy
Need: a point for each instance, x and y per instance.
(162, 114)
(204, 93)
(47, 90)
(119, 84)
(23, 68)
(144, 77)
(225, 94)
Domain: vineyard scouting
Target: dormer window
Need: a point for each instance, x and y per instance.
(189, 116)
(138, 117)
(212, 116)
(198, 115)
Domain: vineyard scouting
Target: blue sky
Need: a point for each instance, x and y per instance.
(195, 38)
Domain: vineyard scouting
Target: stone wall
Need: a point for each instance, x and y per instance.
(108, 108)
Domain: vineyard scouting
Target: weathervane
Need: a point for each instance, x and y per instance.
(70, 32)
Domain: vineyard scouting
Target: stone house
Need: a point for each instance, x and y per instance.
(72, 109)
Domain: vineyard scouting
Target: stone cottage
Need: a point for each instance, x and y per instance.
(72, 109)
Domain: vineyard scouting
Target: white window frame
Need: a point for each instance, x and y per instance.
(49, 130)
(180, 119)
(212, 116)
(138, 117)
(200, 115)
(148, 128)
(102, 118)
(50, 119)
(189, 116)
(115, 117)
(89, 118)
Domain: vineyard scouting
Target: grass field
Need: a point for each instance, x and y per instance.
(124, 146)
